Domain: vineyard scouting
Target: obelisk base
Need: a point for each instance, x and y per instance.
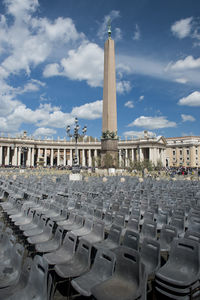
(109, 153)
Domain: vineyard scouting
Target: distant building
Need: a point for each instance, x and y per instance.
(183, 151)
(28, 151)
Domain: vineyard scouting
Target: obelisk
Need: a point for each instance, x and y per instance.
(109, 141)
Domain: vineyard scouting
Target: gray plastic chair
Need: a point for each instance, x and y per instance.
(179, 223)
(36, 287)
(179, 277)
(78, 264)
(22, 282)
(193, 235)
(133, 223)
(131, 239)
(64, 253)
(150, 256)
(167, 234)
(113, 239)
(10, 271)
(128, 280)
(51, 245)
(86, 229)
(68, 221)
(44, 236)
(97, 233)
(25, 220)
(77, 224)
(38, 229)
(162, 219)
(148, 230)
(101, 270)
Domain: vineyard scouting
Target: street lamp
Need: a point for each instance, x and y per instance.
(123, 155)
(76, 135)
(24, 149)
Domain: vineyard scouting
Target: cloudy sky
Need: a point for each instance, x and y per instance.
(51, 66)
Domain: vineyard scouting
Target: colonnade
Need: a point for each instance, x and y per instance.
(31, 152)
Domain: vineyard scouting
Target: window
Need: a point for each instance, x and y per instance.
(188, 152)
(180, 158)
(196, 151)
(174, 152)
(181, 152)
(188, 158)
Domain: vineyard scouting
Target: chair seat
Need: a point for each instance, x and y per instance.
(116, 288)
(72, 268)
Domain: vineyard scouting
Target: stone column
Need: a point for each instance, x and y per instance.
(58, 157)
(1, 155)
(52, 157)
(120, 158)
(83, 157)
(38, 156)
(95, 157)
(7, 158)
(29, 157)
(64, 163)
(126, 157)
(132, 155)
(141, 155)
(71, 158)
(45, 157)
(15, 157)
(19, 156)
(89, 158)
(32, 157)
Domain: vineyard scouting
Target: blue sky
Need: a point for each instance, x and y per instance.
(51, 66)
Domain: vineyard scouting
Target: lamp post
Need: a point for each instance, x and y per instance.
(123, 155)
(24, 149)
(76, 135)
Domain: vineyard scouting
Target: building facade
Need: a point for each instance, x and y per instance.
(28, 151)
(183, 151)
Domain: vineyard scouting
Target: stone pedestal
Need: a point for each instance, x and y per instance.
(75, 177)
(109, 147)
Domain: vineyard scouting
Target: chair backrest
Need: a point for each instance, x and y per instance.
(127, 264)
(83, 252)
(98, 228)
(69, 242)
(88, 224)
(38, 277)
(59, 234)
(150, 255)
(149, 229)
(119, 219)
(115, 234)
(131, 239)
(79, 220)
(108, 217)
(133, 223)
(104, 264)
(193, 235)
(185, 252)
(167, 234)
(98, 213)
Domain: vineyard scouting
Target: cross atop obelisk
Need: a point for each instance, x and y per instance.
(109, 142)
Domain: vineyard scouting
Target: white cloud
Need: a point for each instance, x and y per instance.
(103, 29)
(118, 34)
(191, 100)
(138, 134)
(186, 118)
(182, 28)
(181, 80)
(188, 63)
(89, 111)
(129, 104)
(152, 122)
(85, 63)
(42, 131)
(141, 98)
(123, 87)
(136, 35)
